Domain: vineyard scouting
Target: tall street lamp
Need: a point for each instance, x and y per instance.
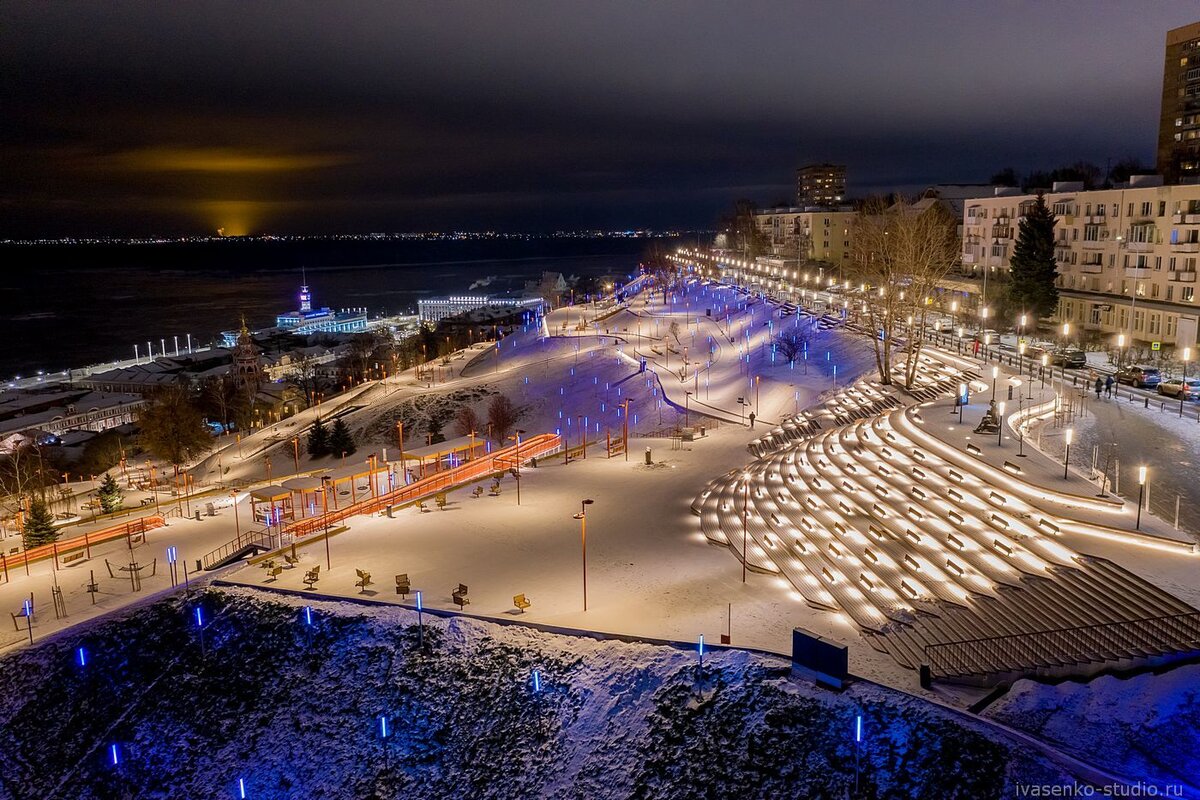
(1141, 494)
(582, 517)
(962, 401)
(1183, 387)
(517, 471)
(995, 374)
(325, 483)
(1000, 433)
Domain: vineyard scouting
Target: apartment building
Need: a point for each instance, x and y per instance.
(820, 185)
(1179, 121)
(808, 235)
(1127, 257)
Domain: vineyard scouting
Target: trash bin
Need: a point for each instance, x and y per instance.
(702, 431)
(648, 461)
(197, 515)
(199, 566)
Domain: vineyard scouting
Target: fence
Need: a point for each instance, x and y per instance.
(1111, 641)
(128, 529)
(501, 460)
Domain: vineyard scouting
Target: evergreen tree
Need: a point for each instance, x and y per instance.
(109, 494)
(318, 440)
(39, 527)
(340, 440)
(1031, 278)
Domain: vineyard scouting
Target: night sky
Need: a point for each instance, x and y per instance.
(181, 118)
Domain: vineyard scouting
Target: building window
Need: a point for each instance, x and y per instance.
(1187, 294)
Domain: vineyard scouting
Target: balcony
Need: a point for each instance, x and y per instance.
(1096, 219)
(1091, 269)
(969, 258)
(1137, 272)
(1140, 247)
(1089, 244)
(1186, 219)
(1182, 277)
(1185, 247)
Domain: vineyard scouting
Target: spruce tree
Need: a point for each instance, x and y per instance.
(109, 494)
(38, 528)
(318, 440)
(1033, 268)
(340, 440)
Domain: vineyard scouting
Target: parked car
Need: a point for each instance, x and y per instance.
(987, 335)
(942, 325)
(1139, 376)
(1173, 387)
(1070, 358)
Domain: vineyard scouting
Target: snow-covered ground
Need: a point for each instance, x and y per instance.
(1146, 726)
(277, 708)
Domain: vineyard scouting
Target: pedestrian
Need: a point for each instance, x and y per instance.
(1099, 386)
(1108, 386)
(751, 419)
(975, 351)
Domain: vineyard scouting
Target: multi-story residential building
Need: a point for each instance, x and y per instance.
(808, 235)
(821, 185)
(1179, 122)
(1127, 257)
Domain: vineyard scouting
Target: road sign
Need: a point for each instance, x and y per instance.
(1156, 346)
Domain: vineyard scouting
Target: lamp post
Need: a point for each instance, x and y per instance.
(517, 471)
(745, 514)
(325, 481)
(1070, 434)
(1141, 494)
(1021, 358)
(582, 517)
(1045, 360)
(237, 526)
(1183, 387)
(995, 374)
(1000, 433)
(962, 401)
(1120, 350)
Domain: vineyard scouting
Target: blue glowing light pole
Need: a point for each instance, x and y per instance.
(200, 627)
(537, 681)
(242, 788)
(701, 651)
(857, 747)
(420, 625)
(308, 624)
(81, 654)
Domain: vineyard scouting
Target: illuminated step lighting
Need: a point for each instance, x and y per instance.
(912, 562)
(957, 517)
(955, 568)
(1002, 547)
(955, 541)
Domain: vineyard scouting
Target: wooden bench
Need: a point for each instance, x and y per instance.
(440, 499)
(521, 602)
(403, 587)
(459, 595)
(292, 561)
(72, 557)
(364, 580)
(420, 506)
(477, 491)
(312, 576)
(273, 573)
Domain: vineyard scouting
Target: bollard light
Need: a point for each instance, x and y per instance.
(1141, 494)
(383, 727)
(114, 754)
(82, 655)
(537, 681)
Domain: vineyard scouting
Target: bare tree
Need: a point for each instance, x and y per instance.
(901, 253)
(502, 416)
(466, 421)
(790, 343)
(304, 373)
(172, 427)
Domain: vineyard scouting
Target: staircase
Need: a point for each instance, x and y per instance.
(248, 544)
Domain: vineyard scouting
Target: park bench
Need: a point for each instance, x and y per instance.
(20, 615)
(420, 506)
(495, 490)
(521, 602)
(292, 561)
(312, 576)
(440, 499)
(459, 595)
(364, 580)
(477, 491)
(274, 573)
(72, 557)
(403, 587)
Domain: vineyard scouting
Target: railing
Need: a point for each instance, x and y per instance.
(262, 539)
(53, 550)
(499, 461)
(1110, 641)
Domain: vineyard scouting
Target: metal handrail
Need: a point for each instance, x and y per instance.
(261, 538)
(1106, 641)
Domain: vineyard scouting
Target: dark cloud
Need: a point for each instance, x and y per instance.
(184, 117)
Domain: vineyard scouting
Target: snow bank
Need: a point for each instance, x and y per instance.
(293, 710)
